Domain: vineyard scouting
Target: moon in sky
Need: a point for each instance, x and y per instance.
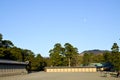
(84, 20)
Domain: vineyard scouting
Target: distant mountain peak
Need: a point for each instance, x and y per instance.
(94, 51)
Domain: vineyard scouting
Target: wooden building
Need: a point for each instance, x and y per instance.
(8, 67)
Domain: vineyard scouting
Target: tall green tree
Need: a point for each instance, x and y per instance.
(5, 43)
(115, 55)
(56, 55)
(41, 62)
(75, 60)
(30, 57)
(71, 53)
(1, 37)
(0, 40)
(115, 48)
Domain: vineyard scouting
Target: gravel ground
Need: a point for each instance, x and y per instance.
(60, 76)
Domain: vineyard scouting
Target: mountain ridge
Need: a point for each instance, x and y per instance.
(94, 51)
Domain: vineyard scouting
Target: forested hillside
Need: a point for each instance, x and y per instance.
(94, 51)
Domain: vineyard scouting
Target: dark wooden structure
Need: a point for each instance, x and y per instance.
(8, 67)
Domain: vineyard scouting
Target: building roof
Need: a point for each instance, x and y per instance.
(96, 64)
(11, 62)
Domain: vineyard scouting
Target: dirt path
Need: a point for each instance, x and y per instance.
(59, 76)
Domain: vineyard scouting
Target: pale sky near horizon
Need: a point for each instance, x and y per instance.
(38, 25)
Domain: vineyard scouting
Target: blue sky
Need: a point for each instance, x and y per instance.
(39, 24)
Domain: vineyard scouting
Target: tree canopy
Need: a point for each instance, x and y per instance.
(63, 56)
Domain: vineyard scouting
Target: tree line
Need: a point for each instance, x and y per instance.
(59, 55)
(10, 52)
(69, 56)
